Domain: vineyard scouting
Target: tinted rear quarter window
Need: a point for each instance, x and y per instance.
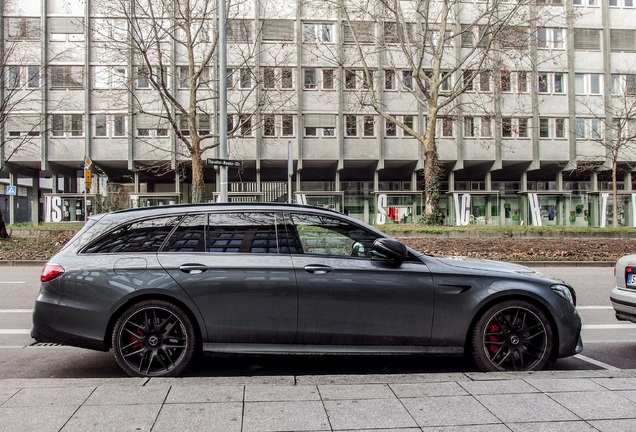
(138, 236)
(189, 236)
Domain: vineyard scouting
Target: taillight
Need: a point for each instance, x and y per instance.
(50, 272)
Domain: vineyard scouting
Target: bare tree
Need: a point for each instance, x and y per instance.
(611, 126)
(20, 116)
(441, 47)
(173, 45)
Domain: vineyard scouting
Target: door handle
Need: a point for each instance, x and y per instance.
(318, 269)
(193, 268)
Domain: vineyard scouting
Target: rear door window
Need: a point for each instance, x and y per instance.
(133, 237)
(189, 236)
(244, 232)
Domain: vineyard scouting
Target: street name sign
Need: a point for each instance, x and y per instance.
(225, 162)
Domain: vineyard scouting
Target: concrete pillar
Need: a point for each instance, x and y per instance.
(35, 200)
(54, 180)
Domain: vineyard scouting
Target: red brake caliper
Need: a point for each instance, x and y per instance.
(134, 339)
(493, 329)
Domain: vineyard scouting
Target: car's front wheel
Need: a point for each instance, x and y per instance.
(513, 335)
(154, 338)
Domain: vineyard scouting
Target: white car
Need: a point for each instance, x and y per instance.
(623, 295)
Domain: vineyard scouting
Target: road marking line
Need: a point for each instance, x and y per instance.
(12, 282)
(597, 363)
(15, 331)
(593, 307)
(16, 310)
(609, 326)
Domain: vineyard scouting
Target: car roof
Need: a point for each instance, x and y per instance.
(188, 207)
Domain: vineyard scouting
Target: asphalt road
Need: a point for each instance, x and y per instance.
(609, 344)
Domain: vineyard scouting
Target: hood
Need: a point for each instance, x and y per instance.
(490, 266)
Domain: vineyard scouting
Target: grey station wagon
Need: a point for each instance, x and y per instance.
(159, 285)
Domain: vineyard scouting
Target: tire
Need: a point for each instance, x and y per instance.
(514, 335)
(154, 338)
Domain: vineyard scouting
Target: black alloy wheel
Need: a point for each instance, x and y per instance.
(154, 338)
(512, 336)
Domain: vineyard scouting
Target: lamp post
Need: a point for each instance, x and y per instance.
(222, 99)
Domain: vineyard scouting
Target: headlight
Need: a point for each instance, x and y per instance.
(564, 292)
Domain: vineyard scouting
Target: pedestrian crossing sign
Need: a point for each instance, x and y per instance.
(12, 190)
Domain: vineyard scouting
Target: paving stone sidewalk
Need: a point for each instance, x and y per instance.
(540, 401)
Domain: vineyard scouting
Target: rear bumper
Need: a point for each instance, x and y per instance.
(58, 321)
(624, 303)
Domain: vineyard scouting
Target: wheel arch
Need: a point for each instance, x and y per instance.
(108, 344)
(515, 296)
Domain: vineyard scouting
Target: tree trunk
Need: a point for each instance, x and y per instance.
(432, 213)
(614, 194)
(198, 181)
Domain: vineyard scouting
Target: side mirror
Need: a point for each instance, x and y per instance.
(393, 249)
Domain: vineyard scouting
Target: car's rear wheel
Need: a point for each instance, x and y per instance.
(154, 338)
(514, 335)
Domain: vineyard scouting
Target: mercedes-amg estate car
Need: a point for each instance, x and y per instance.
(160, 285)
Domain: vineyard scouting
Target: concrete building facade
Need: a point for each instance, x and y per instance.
(526, 143)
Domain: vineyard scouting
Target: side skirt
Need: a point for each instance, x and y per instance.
(238, 348)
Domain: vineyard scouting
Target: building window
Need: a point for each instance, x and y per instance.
(269, 78)
(67, 125)
(286, 78)
(109, 77)
(551, 82)
(580, 128)
(522, 127)
(559, 128)
(278, 30)
(245, 122)
(351, 80)
(587, 39)
(311, 131)
(309, 79)
(484, 81)
(468, 80)
(327, 79)
(550, 38)
(407, 79)
(66, 29)
(246, 78)
(389, 79)
(596, 131)
(544, 128)
(109, 125)
(23, 29)
(485, 129)
(369, 126)
(522, 82)
(588, 84)
(239, 31)
(505, 80)
(506, 127)
(409, 122)
(269, 125)
(14, 76)
(447, 127)
(318, 32)
(623, 84)
(287, 121)
(390, 128)
(144, 75)
(367, 79)
(469, 127)
(328, 131)
(351, 125)
(71, 77)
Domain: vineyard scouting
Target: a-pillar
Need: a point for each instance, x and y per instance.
(524, 211)
(35, 200)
